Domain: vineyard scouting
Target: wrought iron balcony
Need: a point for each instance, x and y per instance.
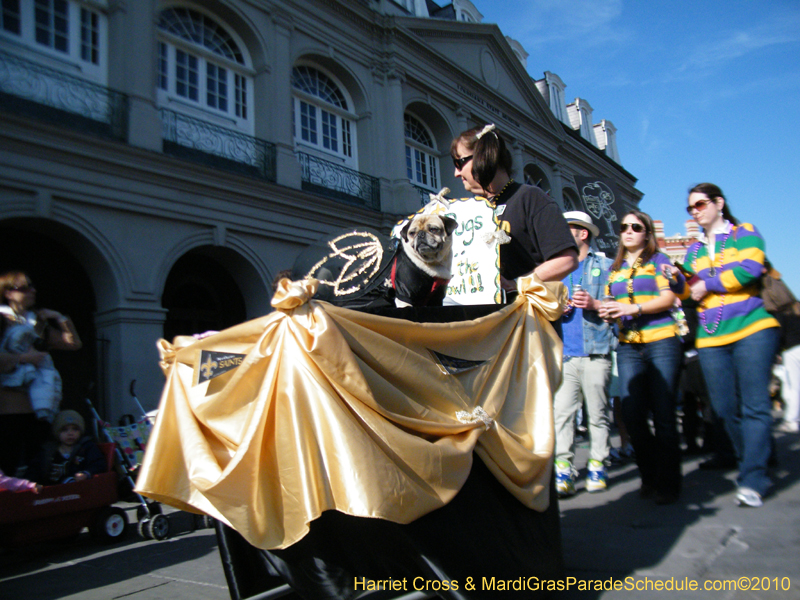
(424, 194)
(217, 147)
(339, 183)
(39, 92)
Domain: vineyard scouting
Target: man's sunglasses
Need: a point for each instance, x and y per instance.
(22, 288)
(637, 227)
(460, 162)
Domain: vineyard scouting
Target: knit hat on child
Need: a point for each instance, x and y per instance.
(68, 417)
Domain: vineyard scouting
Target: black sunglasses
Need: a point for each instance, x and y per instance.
(22, 288)
(699, 205)
(637, 227)
(460, 162)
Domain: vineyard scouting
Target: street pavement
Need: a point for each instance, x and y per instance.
(609, 538)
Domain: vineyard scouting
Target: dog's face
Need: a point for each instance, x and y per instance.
(429, 237)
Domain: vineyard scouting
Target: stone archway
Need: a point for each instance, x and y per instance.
(35, 247)
(534, 175)
(200, 295)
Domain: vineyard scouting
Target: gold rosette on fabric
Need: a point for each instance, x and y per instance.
(325, 408)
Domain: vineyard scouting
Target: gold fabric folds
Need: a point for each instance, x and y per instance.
(334, 409)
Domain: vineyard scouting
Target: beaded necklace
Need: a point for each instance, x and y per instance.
(633, 334)
(500, 195)
(712, 272)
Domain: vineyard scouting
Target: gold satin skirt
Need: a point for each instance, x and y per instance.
(314, 407)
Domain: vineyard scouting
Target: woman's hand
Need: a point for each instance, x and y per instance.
(670, 272)
(614, 310)
(699, 290)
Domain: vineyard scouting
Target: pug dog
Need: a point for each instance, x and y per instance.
(421, 269)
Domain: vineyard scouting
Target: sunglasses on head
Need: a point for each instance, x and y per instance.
(699, 205)
(637, 227)
(460, 162)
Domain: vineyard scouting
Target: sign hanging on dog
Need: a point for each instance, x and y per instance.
(476, 252)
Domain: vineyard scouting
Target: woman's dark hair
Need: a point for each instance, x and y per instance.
(489, 153)
(651, 245)
(714, 191)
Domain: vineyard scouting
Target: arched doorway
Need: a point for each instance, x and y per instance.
(200, 295)
(62, 284)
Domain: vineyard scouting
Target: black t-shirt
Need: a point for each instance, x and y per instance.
(537, 228)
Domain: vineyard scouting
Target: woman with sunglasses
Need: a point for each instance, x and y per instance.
(737, 339)
(26, 334)
(541, 241)
(648, 356)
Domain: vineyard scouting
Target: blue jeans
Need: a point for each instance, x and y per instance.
(737, 377)
(648, 379)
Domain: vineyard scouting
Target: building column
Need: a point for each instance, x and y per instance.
(132, 68)
(518, 160)
(127, 338)
(557, 187)
(276, 89)
(400, 198)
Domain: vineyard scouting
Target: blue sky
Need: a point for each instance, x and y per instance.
(700, 90)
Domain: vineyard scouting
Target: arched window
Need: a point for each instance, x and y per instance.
(67, 29)
(202, 66)
(422, 164)
(322, 116)
(535, 176)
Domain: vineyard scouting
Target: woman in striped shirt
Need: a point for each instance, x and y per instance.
(737, 339)
(648, 357)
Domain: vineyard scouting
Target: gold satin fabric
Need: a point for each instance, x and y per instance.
(335, 409)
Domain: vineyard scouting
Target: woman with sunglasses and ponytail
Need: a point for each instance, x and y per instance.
(649, 355)
(737, 339)
(541, 241)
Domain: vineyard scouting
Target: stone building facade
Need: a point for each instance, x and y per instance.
(161, 161)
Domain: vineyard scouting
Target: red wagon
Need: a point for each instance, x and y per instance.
(62, 511)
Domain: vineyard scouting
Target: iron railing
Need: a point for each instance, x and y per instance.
(424, 194)
(339, 183)
(40, 92)
(215, 146)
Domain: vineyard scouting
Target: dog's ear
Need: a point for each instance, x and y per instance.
(404, 230)
(450, 224)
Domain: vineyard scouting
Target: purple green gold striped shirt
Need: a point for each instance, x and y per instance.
(733, 309)
(648, 282)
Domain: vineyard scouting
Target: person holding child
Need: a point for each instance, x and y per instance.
(27, 329)
(71, 456)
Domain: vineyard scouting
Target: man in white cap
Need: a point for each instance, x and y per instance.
(588, 343)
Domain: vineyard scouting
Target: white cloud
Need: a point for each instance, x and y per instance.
(781, 27)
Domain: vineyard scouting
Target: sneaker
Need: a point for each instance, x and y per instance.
(565, 479)
(597, 480)
(747, 497)
(788, 427)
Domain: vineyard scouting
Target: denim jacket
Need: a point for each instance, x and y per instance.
(598, 336)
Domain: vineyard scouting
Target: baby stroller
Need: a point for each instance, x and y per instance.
(130, 440)
(63, 510)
